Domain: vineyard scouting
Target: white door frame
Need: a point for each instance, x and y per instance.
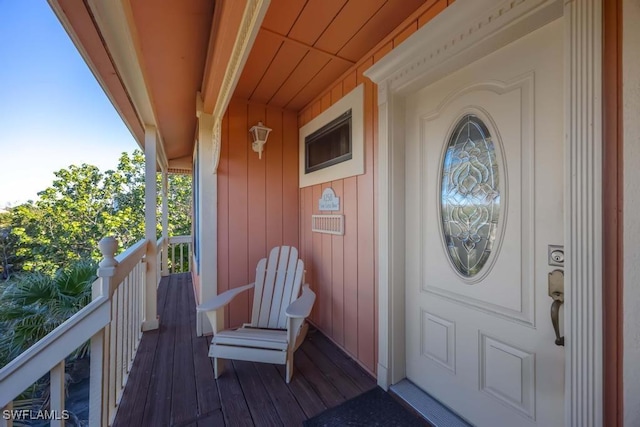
(462, 33)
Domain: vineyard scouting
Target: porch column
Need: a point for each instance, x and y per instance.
(150, 197)
(207, 216)
(583, 213)
(165, 222)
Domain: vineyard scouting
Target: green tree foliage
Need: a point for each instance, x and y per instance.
(8, 241)
(36, 303)
(179, 205)
(83, 205)
(52, 245)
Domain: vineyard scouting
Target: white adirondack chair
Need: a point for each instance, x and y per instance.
(277, 325)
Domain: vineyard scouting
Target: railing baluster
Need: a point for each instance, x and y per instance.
(132, 316)
(179, 246)
(56, 396)
(182, 258)
(136, 300)
(173, 259)
(112, 355)
(97, 414)
(125, 329)
(132, 299)
(119, 342)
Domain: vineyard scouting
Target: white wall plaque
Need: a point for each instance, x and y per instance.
(328, 201)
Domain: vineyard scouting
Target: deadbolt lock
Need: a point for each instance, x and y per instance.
(556, 255)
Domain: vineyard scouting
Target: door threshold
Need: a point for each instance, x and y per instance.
(433, 411)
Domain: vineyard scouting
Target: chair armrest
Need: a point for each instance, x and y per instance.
(223, 299)
(301, 308)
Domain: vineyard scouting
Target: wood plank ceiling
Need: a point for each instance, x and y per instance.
(303, 46)
(173, 62)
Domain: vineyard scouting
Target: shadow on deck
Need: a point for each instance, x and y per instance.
(172, 384)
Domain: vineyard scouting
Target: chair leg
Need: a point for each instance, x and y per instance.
(289, 365)
(218, 367)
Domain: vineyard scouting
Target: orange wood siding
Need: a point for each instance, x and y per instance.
(343, 270)
(257, 198)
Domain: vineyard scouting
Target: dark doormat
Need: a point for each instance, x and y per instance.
(372, 408)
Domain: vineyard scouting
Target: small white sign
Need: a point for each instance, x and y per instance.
(329, 201)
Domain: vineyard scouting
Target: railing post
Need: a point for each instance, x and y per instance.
(99, 386)
(57, 394)
(150, 192)
(107, 267)
(165, 223)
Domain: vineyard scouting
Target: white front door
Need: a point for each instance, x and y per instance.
(484, 199)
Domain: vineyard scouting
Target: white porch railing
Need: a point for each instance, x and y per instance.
(112, 321)
(178, 256)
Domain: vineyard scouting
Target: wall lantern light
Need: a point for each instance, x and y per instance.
(259, 133)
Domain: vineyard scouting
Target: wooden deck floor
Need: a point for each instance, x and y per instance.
(172, 383)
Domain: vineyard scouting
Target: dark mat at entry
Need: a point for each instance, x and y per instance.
(373, 408)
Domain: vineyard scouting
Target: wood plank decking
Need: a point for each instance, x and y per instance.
(171, 382)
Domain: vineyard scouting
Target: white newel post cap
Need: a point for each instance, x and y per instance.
(108, 247)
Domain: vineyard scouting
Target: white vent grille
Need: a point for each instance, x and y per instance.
(328, 224)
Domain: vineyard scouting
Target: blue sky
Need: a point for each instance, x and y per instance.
(53, 112)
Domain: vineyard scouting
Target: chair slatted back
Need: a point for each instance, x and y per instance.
(278, 282)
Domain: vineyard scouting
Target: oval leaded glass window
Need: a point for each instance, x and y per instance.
(469, 195)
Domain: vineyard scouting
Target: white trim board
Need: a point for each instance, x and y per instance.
(631, 138)
(462, 33)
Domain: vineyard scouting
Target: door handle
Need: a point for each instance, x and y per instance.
(555, 309)
(556, 292)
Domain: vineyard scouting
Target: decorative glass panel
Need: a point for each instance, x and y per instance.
(470, 195)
